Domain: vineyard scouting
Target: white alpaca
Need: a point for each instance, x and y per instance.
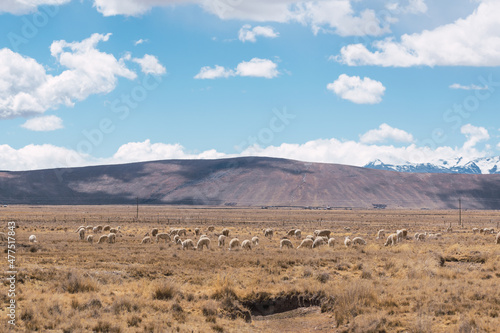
(32, 239)
(234, 244)
(221, 240)
(298, 234)
(225, 232)
(399, 235)
(286, 243)
(268, 232)
(290, 232)
(325, 233)
(246, 245)
(154, 232)
(347, 241)
(102, 239)
(182, 232)
(197, 231)
(177, 239)
(331, 242)
(203, 242)
(106, 228)
(78, 229)
(475, 230)
(306, 243)
(381, 234)
(112, 237)
(163, 236)
(146, 240)
(114, 230)
(89, 227)
(497, 239)
(187, 244)
(90, 239)
(319, 241)
(81, 233)
(392, 239)
(211, 228)
(255, 241)
(358, 241)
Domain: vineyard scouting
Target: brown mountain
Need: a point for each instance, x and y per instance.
(249, 181)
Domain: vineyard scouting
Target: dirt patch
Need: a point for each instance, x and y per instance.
(265, 305)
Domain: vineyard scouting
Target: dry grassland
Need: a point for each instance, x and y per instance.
(67, 285)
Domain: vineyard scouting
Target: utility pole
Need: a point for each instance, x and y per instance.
(137, 213)
(460, 212)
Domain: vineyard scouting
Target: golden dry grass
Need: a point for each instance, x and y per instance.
(68, 285)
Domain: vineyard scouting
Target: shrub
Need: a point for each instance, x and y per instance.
(165, 290)
(78, 283)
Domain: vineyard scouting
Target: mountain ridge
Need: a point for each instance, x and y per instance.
(249, 181)
(485, 166)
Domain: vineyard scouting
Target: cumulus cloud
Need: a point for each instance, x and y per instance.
(411, 7)
(43, 124)
(27, 89)
(147, 151)
(357, 90)
(34, 157)
(472, 41)
(249, 34)
(349, 152)
(469, 87)
(19, 7)
(474, 135)
(320, 15)
(254, 68)
(385, 133)
(150, 65)
(214, 73)
(257, 68)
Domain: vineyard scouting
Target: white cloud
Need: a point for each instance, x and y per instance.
(34, 157)
(320, 15)
(469, 87)
(43, 124)
(147, 151)
(214, 73)
(249, 34)
(357, 90)
(255, 68)
(474, 135)
(19, 7)
(150, 65)
(472, 41)
(412, 7)
(26, 88)
(386, 133)
(140, 41)
(339, 15)
(333, 150)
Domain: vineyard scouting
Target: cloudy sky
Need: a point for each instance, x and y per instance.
(343, 81)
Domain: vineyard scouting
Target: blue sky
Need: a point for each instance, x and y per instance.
(338, 81)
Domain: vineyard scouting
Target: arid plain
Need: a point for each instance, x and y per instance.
(64, 284)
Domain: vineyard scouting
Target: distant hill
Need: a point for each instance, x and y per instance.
(249, 181)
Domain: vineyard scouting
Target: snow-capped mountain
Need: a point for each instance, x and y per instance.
(485, 165)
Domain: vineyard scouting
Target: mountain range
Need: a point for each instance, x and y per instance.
(485, 166)
(249, 181)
